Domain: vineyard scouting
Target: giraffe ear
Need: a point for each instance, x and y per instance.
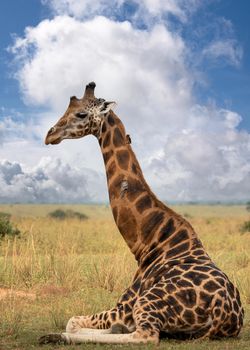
(107, 106)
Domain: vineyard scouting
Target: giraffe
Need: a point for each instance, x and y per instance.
(177, 291)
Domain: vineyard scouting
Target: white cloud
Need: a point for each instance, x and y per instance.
(10, 129)
(155, 10)
(78, 9)
(188, 151)
(52, 180)
(208, 160)
(74, 52)
(145, 11)
(228, 50)
(123, 61)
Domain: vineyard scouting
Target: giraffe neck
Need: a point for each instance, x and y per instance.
(136, 210)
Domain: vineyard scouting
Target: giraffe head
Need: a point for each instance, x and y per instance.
(83, 117)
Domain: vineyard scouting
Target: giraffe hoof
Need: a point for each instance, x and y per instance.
(54, 338)
(119, 328)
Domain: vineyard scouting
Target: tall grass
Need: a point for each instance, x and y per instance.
(67, 254)
(82, 267)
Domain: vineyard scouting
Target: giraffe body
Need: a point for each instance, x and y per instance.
(177, 291)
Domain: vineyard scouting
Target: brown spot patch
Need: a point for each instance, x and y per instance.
(135, 188)
(198, 252)
(62, 122)
(115, 187)
(166, 230)
(104, 127)
(123, 159)
(211, 286)
(184, 283)
(111, 170)
(127, 225)
(187, 297)
(107, 156)
(196, 277)
(177, 251)
(111, 120)
(151, 257)
(188, 316)
(170, 288)
(143, 203)
(151, 223)
(118, 139)
(106, 140)
(115, 212)
(206, 299)
(179, 237)
(134, 168)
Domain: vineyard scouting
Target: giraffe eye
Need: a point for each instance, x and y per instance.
(81, 115)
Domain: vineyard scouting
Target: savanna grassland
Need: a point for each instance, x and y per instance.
(60, 268)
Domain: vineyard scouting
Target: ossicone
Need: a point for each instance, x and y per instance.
(89, 90)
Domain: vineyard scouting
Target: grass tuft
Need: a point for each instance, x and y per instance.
(12, 314)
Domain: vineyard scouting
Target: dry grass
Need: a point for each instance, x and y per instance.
(76, 267)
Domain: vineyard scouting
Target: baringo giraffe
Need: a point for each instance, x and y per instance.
(177, 290)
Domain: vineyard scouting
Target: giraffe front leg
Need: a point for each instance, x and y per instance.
(132, 338)
(92, 327)
(68, 338)
(78, 325)
(95, 322)
(119, 319)
(116, 320)
(147, 321)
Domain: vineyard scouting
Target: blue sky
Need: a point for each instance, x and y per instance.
(227, 85)
(15, 16)
(198, 53)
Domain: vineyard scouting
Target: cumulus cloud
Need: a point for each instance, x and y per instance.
(188, 151)
(104, 51)
(52, 180)
(206, 162)
(123, 62)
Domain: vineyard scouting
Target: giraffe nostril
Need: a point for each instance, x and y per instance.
(51, 130)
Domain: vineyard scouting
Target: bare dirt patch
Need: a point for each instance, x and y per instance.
(6, 292)
(54, 290)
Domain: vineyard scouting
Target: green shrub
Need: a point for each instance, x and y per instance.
(67, 214)
(57, 214)
(187, 215)
(248, 206)
(6, 228)
(79, 216)
(4, 215)
(245, 227)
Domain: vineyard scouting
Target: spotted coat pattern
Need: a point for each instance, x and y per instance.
(177, 291)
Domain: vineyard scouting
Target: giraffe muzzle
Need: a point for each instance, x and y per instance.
(52, 139)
